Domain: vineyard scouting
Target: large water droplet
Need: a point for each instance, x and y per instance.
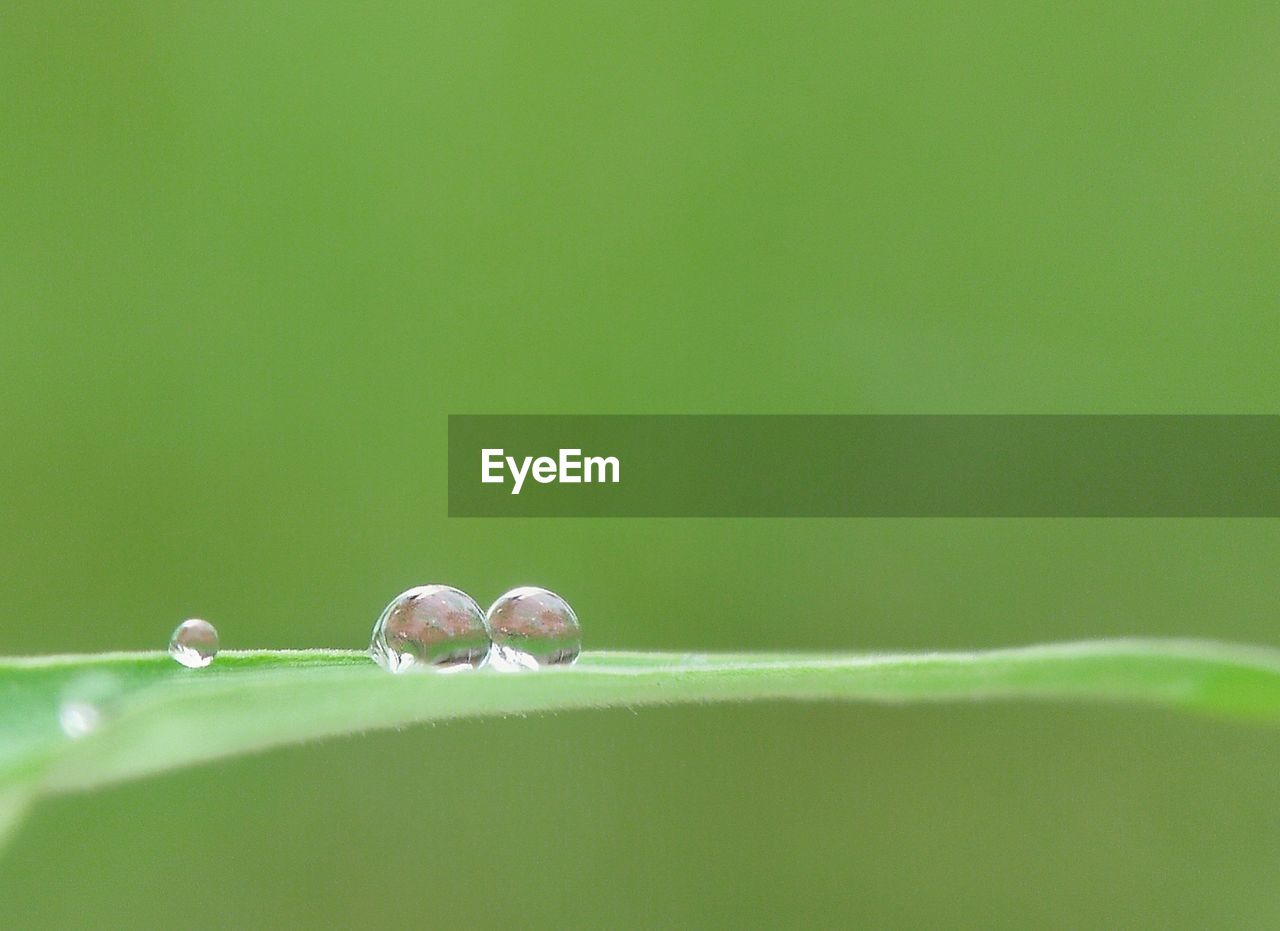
(532, 627)
(194, 643)
(431, 627)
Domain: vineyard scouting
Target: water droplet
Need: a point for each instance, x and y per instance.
(78, 718)
(532, 627)
(84, 701)
(432, 627)
(194, 644)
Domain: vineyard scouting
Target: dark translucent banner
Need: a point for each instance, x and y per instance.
(864, 466)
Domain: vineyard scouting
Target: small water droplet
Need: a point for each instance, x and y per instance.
(430, 627)
(84, 701)
(78, 718)
(194, 643)
(532, 627)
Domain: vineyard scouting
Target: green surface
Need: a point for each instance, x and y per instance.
(251, 255)
(149, 716)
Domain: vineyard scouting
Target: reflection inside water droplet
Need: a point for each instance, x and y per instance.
(194, 643)
(531, 627)
(430, 627)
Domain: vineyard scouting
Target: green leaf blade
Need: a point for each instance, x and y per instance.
(155, 715)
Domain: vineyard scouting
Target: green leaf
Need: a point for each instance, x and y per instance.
(70, 723)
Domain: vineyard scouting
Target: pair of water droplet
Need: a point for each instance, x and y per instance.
(90, 697)
(442, 628)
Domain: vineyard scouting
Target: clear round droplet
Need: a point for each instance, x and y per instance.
(531, 627)
(194, 643)
(430, 627)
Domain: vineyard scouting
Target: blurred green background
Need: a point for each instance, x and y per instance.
(251, 254)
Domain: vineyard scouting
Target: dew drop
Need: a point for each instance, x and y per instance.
(430, 627)
(83, 703)
(530, 628)
(78, 718)
(194, 643)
